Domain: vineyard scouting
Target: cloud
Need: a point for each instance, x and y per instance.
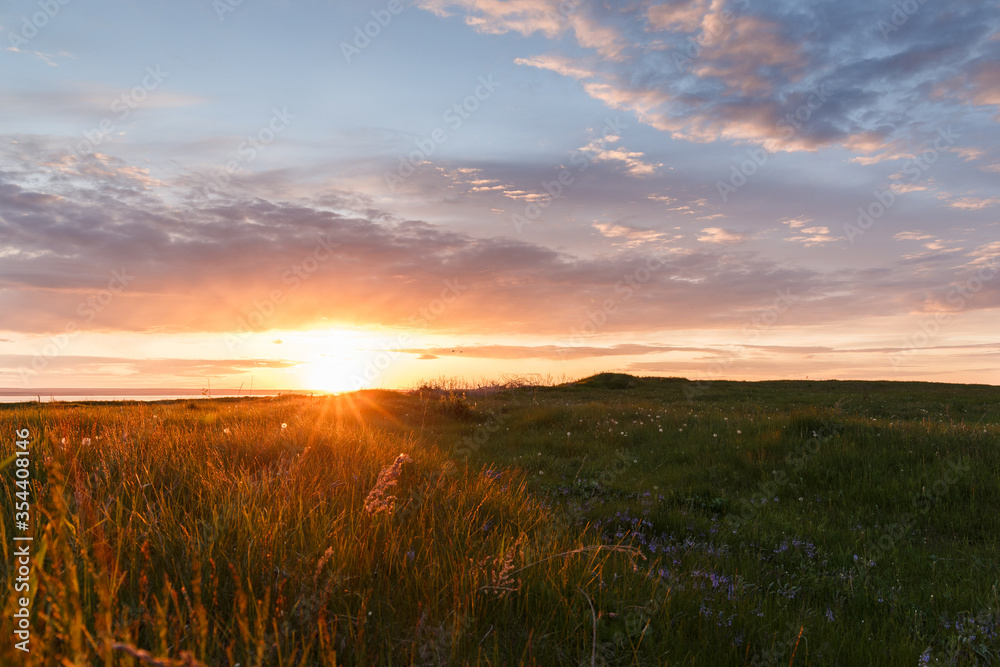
(787, 76)
(912, 236)
(628, 236)
(905, 188)
(495, 17)
(561, 65)
(91, 101)
(71, 229)
(807, 236)
(973, 203)
(560, 352)
(632, 161)
(721, 236)
(126, 369)
(969, 153)
(685, 15)
(49, 59)
(978, 84)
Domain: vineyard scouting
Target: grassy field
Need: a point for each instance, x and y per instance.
(615, 520)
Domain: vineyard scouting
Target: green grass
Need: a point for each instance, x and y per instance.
(618, 520)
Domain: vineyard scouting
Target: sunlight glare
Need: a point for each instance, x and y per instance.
(342, 360)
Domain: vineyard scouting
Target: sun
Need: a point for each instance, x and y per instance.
(340, 360)
(332, 374)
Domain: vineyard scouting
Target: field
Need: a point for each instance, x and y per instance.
(615, 520)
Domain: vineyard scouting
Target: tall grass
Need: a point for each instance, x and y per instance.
(236, 532)
(612, 521)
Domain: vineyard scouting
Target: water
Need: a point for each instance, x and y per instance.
(68, 395)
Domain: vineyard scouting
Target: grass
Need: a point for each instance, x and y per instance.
(616, 520)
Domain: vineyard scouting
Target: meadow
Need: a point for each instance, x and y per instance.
(614, 520)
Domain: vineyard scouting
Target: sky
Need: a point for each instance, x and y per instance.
(330, 195)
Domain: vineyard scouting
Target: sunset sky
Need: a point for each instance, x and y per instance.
(325, 195)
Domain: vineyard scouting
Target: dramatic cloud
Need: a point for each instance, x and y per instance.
(785, 75)
(94, 242)
(647, 184)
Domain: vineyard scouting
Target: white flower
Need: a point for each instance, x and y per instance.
(85, 442)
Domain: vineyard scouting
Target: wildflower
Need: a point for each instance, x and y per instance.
(85, 442)
(501, 582)
(284, 426)
(738, 431)
(226, 430)
(378, 499)
(327, 555)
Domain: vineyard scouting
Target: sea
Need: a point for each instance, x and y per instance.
(127, 394)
